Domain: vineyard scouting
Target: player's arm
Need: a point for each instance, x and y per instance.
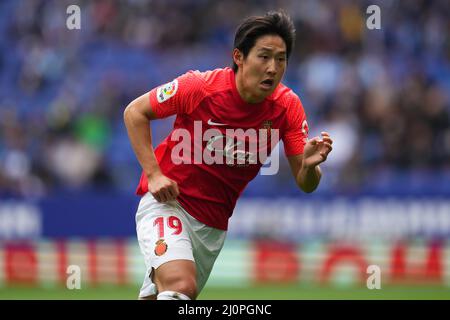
(305, 167)
(137, 117)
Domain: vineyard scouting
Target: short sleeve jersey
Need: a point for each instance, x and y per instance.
(219, 142)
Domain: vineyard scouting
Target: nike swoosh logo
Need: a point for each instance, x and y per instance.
(212, 123)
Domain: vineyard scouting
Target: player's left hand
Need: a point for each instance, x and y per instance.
(317, 149)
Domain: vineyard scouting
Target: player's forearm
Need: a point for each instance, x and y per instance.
(139, 133)
(308, 178)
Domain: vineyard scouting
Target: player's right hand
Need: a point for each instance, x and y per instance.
(162, 188)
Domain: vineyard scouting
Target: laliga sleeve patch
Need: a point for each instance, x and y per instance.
(166, 91)
(305, 130)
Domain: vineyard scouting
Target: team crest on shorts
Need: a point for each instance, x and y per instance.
(160, 247)
(166, 91)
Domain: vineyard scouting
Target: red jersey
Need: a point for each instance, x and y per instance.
(206, 100)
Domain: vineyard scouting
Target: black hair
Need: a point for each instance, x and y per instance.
(272, 23)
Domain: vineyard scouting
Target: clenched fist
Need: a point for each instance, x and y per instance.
(162, 188)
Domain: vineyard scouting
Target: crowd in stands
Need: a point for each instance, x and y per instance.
(383, 94)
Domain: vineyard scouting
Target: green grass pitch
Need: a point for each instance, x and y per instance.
(262, 292)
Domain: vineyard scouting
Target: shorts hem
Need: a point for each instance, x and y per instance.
(172, 255)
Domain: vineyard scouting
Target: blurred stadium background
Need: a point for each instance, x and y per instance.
(68, 174)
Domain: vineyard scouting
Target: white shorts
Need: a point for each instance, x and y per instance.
(166, 232)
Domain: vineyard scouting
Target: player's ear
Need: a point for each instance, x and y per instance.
(238, 57)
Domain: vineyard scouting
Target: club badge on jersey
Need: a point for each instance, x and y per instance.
(166, 91)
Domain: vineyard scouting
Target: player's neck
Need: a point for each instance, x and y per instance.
(246, 95)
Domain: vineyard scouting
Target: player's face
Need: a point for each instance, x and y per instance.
(263, 68)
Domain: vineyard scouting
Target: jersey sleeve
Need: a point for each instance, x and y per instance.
(182, 95)
(296, 133)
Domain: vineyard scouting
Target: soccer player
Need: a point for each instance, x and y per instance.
(186, 202)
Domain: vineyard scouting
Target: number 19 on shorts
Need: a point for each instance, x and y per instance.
(172, 222)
